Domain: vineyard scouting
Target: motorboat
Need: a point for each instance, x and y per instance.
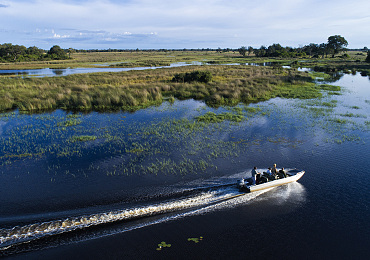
(265, 181)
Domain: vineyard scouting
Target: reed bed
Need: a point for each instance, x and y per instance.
(134, 90)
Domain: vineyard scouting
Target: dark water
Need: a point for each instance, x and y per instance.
(156, 175)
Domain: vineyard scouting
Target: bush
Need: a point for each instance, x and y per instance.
(199, 76)
(368, 57)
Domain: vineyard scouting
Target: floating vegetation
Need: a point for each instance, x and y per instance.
(70, 122)
(195, 239)
(353, 115)
(328, 87)
(339, 121)
(162, 245)
(83, 138)
(332, 103)
(211, 117)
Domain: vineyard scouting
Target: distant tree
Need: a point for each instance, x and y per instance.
(250, 50)
(261, 52)
(323, 50)
(70, 51)
(12, 53)
(57, 53)
(368, 57)
(312, 49)
(336, 44)
(242, 50)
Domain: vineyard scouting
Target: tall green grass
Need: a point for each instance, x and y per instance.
(133, 90)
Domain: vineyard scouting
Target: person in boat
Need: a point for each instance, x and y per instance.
(282, 173)
(274, 170)
(255, 176)
(270, 175)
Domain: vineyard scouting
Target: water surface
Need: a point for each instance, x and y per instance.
(158, 175)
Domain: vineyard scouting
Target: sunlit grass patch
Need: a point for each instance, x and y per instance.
(353, 115)
(332, 103)
(162, 245)
(328, 87)
(83, 138)
(334, 93)
(252, 110)
(320, 111)
(211, 117)
(305, 90)
(319, 75)
(70, 122)
(339, 121)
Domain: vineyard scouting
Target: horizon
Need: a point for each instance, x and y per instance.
(173, 25)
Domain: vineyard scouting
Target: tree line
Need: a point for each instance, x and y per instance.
(17, 53)
(334, 45)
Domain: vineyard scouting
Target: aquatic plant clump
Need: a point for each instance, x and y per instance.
(211, 117)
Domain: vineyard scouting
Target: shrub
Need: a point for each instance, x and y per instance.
(199, 76)
(368, 57)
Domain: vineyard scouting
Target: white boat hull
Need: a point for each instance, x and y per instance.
(297, 174)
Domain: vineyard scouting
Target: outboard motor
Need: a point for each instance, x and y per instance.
(240, 183)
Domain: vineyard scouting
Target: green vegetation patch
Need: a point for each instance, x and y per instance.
(198, 76)
(298, 90)
(83, 138)
(70, 122)
(353, 115)
(328, 87)
(211, 117)
(339, 121)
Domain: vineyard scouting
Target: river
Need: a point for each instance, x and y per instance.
(154, 184)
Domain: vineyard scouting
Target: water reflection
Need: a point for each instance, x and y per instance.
(58, 72)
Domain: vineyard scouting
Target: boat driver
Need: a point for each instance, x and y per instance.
(255, 175)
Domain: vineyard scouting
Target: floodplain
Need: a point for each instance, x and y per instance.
(118, 162)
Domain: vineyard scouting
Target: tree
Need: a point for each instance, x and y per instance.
(323, 49)
(57, 53)
(250, 50)
(70, 51)
(336, 44)
(368, 57)
(242, 50)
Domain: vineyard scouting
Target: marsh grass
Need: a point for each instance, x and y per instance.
(211, 117)
(70, 122)
(83, 138)
(348, 114)
(134, 90)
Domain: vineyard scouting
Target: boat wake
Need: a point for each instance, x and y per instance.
(127, 218)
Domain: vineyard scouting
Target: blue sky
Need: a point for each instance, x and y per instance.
(147, 24)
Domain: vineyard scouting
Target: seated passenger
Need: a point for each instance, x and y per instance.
(274, 170)
(282, 173)
(270, 175)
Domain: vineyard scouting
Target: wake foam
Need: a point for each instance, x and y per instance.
(21, 234)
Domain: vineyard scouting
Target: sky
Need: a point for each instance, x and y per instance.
(172, 24)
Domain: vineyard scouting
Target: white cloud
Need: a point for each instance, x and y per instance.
(203, 23)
